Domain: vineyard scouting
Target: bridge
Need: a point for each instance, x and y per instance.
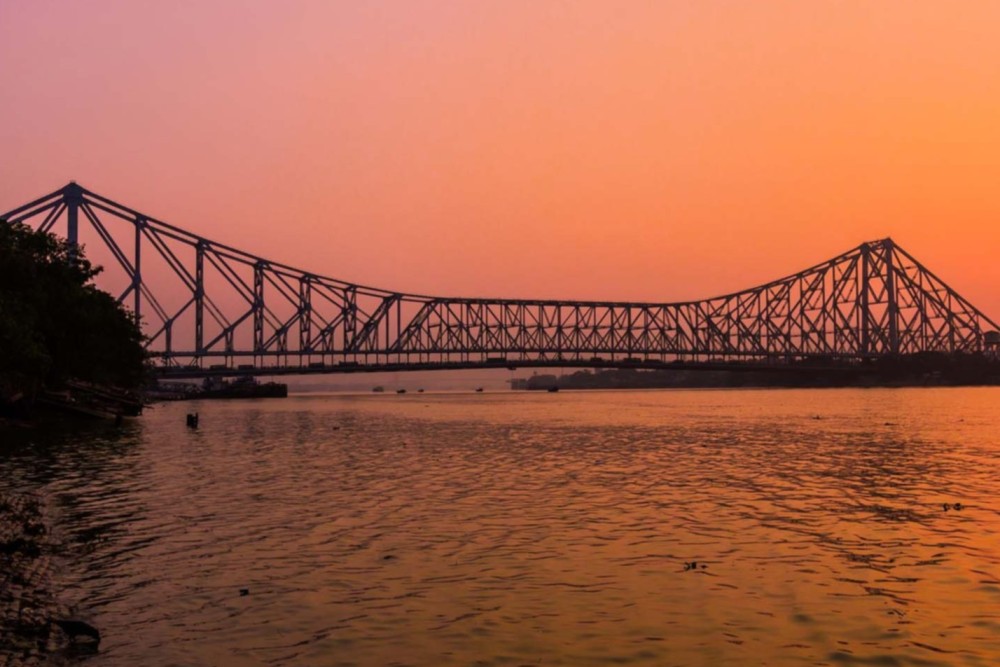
(208, 308)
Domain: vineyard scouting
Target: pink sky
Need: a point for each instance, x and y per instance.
(594, 150)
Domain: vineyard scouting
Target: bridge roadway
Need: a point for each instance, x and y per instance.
(250, 370)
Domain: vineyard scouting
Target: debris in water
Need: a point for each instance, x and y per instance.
(78, 630)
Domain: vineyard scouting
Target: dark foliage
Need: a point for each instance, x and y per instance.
(54, 323)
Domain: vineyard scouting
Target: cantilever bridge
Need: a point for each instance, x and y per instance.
(211, 309)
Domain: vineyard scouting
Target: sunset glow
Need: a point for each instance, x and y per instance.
(499, 332)
(578, 150)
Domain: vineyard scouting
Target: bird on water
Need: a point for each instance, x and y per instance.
(75, 629)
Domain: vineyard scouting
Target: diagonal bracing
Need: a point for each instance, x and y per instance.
(207, 305)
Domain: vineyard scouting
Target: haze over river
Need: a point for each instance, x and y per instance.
(535, 528)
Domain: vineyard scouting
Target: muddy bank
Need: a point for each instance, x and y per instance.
(28, 597)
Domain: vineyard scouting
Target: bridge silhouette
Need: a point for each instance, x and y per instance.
(212, 309)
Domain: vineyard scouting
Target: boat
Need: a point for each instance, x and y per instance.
(400, 391)
(378, 390)
(479, 390)
(84, 399)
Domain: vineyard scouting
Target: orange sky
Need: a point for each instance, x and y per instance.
(598, 150)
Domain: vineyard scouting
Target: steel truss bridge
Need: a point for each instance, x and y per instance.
(212, 309)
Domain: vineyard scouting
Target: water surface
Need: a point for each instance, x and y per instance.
(536, 529)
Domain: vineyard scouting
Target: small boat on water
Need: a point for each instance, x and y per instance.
(400, 391)
(378, 390)
(479, 390)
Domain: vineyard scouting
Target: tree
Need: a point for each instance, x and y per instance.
(55, 324)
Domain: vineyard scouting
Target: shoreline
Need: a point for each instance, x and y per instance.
(914, 372)
(28, 599)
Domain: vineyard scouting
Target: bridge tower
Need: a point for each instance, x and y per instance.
(991, 344)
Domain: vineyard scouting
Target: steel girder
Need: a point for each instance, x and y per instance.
(227, 307)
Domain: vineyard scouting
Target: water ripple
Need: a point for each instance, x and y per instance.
(646, 528)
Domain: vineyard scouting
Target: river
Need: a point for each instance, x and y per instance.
(675, 527)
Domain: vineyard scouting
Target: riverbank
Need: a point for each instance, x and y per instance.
(919, 370)
(28, 597)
